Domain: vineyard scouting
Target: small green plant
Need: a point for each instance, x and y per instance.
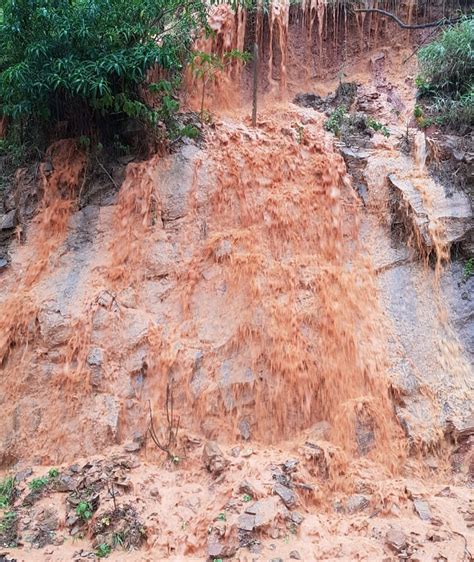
(221, 517)
(418, 112)
(84, 511)
(189, 131)
(335, 120)
(468, 270)
(118, 539)
(103, 550)
(247, 498)
(7, 491)
(378, 127)
(39, 483)
(53, 473)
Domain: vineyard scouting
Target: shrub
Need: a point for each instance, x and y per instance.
(7, 491)
(446, 79)
(81, 62)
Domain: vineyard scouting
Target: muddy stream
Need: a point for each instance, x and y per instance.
(245, 291)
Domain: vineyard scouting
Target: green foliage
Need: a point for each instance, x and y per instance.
(247, 498)
(7, 522)
(446, 79)
(378, 127)
(103, 550)
(53, 473)
(7, 491)
(336, 120)
(84, 511)
(221, 517)
(39, 483)
(73, 60)
(468, 270)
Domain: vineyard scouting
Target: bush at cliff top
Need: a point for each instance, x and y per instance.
(446, 79)
(81, 62)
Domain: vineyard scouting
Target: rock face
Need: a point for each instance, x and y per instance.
(453, 214)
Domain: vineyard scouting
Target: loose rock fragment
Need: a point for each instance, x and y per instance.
(286, 494)
(396, 540)
(422, 509)
(357, 503)
(213, 458)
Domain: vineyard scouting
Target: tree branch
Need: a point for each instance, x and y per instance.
(444, 21)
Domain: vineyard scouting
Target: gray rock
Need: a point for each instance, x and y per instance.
(213, 458)
(95, 357)
(396, 539)
(266, 511)
(295, 555)
(296, 518)
(454, 212)
(132, 447)
(246, 522)
(3, 263)
(286, 494)
(244, 429)
(357, 503)
(23, 475)
(8, 221)
(65, 483)
(422, 509)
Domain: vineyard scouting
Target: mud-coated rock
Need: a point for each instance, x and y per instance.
(396, 539)
(55, 327)
(287, 495)
(213, 458)
(267, 510)
(422, 508)
(357, 503)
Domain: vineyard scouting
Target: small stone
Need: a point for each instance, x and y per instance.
(247, 452)
(245, 487)
(277, 560)
(357, 503)
(290, 466)
(235, 451)
(3, 263)
(65, 483)
(295, 555)
(244, 429)
(155, 493)
(23, 475)
(58, 540)
(105, 299)
(422, 509)
(95, 357)
(286, 494)
(7, 221)
(296, 518)
(213, 458)
(246, 522)
(396, 539)
(266, 511)
(132, 447)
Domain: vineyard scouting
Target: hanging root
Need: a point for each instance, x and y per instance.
(171, 433)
